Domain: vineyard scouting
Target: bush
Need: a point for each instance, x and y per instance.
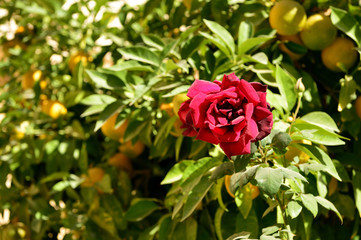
(91, 144)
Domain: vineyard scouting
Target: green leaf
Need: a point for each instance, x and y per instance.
(186, 230)
(140, 54)
(240, 179)
(328, 205)
(294, 209)
(347, 93)
(140, 209)
(190, 46)
(252, 43)
(222, 34)
(194, 172)
(129, 66)
(310, 202)
(241, 235)
(269, 179)
(176, 172)
(288, 173)
(218, 222)
(322, 157)
(109, 111)
(286, 85)
(245, 31)
(98, 99)
(218, 43)
(356, 183)
(303, 130)
(104, 80)
(344, 21)
(226, 168)
(93, 110)
(196, 196)
(248, 224)
(153, 41)
(243, 199)
(322, 120)
(321, 184)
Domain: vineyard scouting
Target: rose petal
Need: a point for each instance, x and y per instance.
(206, 135)
(225, 94)
(202, 86)
(183, 110)
(230, 80)
(199, 107)
(248, 90)
(235, 148)
(261, 113)
(264, 127)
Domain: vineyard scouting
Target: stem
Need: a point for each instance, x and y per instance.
(283, 211)
(296, 111)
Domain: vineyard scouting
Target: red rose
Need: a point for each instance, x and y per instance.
(232, 113)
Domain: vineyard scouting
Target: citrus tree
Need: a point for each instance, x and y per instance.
(180, 119)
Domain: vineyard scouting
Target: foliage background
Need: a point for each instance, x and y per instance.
(158, 48)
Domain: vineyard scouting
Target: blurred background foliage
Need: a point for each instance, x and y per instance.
(91, 144)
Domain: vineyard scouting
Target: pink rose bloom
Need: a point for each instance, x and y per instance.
(232, 113)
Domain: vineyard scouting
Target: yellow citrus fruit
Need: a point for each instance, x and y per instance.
(94, 175)
(287, 17)
(132, 150)
(177, 130)
(291, 38)
(177, 101)
(121, 161)
(255, 190)
(292, 152)
(340, 55)
(21, 130)
(2, 116)
(14, 43)
(76, 58)
(30, 78)
(332, 186)
(53, 108)
(358, 106)
(110, 131)
(4, 79)
(168, 107)
(319, 32)
(227, 183)
(249, 187)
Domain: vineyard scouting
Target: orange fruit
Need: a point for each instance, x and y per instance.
(358, 106)
(248, 187)
(94, 175)
(21, 130)
(30, 78)
(287, 17)
(132, 150)
(76, 58)
(319, 32)
(332, 186)
(121, 161)
(168, 107)
(110, 131)
(53, 108)
(177, 101)
(292, 152)
(290, 38)
(340, 55)
(227, 183)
